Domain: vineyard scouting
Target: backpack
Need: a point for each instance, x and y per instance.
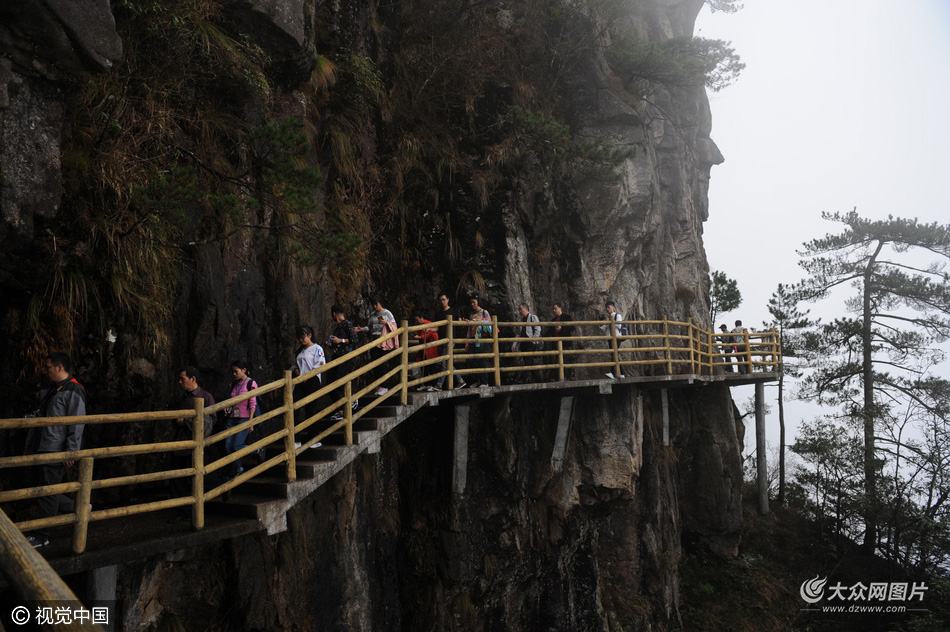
(622, 327)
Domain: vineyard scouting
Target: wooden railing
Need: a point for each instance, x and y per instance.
(653, 347)
(35, 581)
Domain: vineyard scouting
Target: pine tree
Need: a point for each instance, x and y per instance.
(882, 355)
(724, 295)
(789, 320)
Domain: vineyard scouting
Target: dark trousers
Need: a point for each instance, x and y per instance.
(302, 390)
(336, 373)
(49, 506)
(375, 354)
(481, 362)
(529, 376)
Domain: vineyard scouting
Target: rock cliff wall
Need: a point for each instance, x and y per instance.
(448, 169)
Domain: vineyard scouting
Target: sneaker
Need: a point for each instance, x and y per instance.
(316, 445)
(610, 375)
(355, 404)
(337, 416)
(461, 385)
(37, 541)
(297, 445)
(429, 389)
(382, 390)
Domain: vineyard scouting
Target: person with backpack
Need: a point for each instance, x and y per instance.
(481, 333)
(614, 317)
(65, 398)
(239, 413)
(532, 331)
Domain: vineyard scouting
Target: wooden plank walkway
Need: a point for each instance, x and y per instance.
(260, 505)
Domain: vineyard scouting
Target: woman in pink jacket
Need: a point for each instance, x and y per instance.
(239, 413)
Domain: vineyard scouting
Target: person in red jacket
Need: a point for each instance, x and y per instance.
(422, 337)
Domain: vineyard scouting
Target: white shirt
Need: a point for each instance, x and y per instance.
(310, 358)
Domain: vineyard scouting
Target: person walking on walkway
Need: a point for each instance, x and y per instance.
(423, 337)
(65, 398)
(374, 329)
(612, 329)
(184, 431)
(739, 336)
(310, 357)
(481, 333)
(726, 348)
(562, 329)
(443, 314)
(341, 342)
(533, 332)
(239, 413)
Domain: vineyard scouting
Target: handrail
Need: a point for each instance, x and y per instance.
(655, 348)
(31, 576)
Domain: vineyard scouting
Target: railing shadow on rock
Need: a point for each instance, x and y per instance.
(648, 348)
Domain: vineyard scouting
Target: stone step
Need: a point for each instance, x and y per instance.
(359, 437)
(267, 486)
(244, 505)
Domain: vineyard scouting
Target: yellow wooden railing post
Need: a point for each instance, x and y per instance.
(404, 374)
(31, 576)
(666, 345)
(81, 528)
(495, 350)
(290, 448)
(776, 349)
(198, 462)
(748, 349)
(450, 352)
(692, 345)
(560, 360)
(348, 428)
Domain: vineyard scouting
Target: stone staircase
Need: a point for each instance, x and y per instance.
(267, 498)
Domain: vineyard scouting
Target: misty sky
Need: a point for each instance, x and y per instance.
(843, 104)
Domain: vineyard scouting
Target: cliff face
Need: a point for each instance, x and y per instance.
(449, 170)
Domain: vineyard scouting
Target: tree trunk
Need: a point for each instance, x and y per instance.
(868, 412)
(781, 440)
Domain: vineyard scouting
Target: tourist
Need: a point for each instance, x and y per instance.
(239, 413)
(65, 398)
(376, 327)
(341, 342)
(184, 431)
(445, 311)
(532, 332)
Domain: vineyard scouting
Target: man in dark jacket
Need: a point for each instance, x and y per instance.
(66, 398)
(341, 342)
(184, 431)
